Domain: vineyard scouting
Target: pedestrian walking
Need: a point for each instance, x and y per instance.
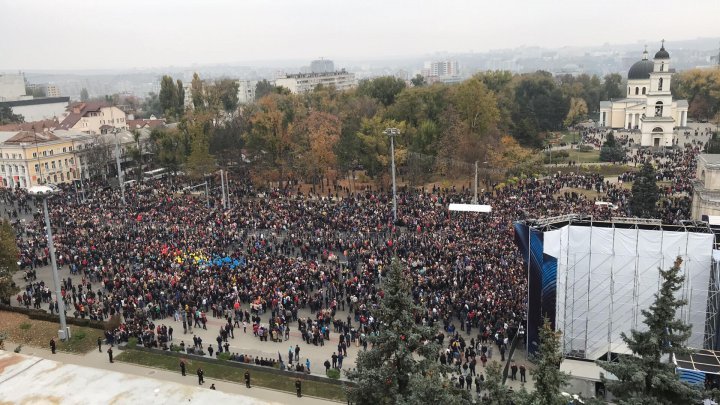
(110, 354)
(247, 379)
(200, 374)
(522, 373)
(182, 367)
(52, 346)
(99, 343)
(307, 365)
(298, 387)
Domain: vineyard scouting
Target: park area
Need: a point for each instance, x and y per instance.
(22, 331)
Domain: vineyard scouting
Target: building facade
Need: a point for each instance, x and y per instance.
(38, 109)
(706, 187)
(246, 91)
(93, 118)
(322, 66)
(648, 106)
(307, 82)
(12, 87)
(441, 68)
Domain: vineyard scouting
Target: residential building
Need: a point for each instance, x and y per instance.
(322, 66)
(442, 68)
(94, 118)
(246, 91)
(307, 82)
(649, 106)
(149, 123)
(29, 158)
(12, 87)
(52, 90)
(38, 109)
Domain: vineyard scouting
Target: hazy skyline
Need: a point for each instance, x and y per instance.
(75, 34)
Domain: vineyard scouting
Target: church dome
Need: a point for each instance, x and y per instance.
(641, 70)
(662, 53)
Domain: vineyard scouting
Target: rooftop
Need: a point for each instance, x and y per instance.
(309, 75)
(34, 101)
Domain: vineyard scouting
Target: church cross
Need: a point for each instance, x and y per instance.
(663, 44)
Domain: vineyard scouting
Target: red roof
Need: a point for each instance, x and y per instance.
(145, 123)
(38, 126)
(32, 137)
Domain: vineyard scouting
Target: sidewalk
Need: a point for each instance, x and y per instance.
(100, 361)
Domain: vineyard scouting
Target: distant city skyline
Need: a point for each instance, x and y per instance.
(78, 35)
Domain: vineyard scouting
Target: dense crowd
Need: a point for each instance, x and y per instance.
(270, 259)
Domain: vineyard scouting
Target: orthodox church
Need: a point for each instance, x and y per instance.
(648, 107)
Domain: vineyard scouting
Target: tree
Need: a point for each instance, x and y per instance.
(476, 105)
(8, 117)
(578, 110)
(539, 106)
(611, 151)
(263, 88)
(643, 202)
(84, 96)
(35, 91)
(418, 80)
(200, 162)
(321, 133)
(383, 89)
(497, 392)
(151, 105)
(549, 380)
(168, 96)
(180, 98)
(223, 95)
(8, 261)
(612, 87)
(196, 88)
(402, 365)
(648, 375)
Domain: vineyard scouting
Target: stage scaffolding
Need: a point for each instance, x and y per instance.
(606, 272)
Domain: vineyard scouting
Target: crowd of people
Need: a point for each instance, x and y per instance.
(281, 261)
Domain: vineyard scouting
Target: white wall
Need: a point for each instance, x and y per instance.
(38, 112)
(12, 87)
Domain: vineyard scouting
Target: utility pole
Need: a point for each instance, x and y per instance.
(475, 198)
(392, 132)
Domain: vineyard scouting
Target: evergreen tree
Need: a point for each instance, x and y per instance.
(402, 365)
(643, 202)
(180, 97)
(549, 380)
(497, 392)
(8, 261)
(84, 96)
(196, 87)
(648, 376)
(610, 150)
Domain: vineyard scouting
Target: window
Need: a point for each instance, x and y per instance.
(637, 90)
(53, 164)
(662, 66)
(660, 84)
(34, 154)
(659, 109)
(44, 153)
(2, 168)
(51, 152)
(628, 90)
(37, 168)
(64, 150)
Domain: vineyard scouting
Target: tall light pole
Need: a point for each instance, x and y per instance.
(475, 199)
(222, 186)
(117, 160)
(392, 132)
(43, 193)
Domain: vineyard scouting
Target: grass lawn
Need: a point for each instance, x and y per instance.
(233, 374)
(25, 331)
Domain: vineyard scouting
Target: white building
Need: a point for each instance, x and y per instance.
(441, 68)
(94, 118)
(706, 187)
(307, 82)
(38, 109)
(322, 66)
(12, 87)
(246, 91)
(648, 106)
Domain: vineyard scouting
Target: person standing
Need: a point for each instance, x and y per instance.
(99, 343)
(182, 367)
(200, 374)
(52, 346)
(247, 379)
(522, 373)
(514, 370)
(307, 365)
(298, 387)
(110, 354)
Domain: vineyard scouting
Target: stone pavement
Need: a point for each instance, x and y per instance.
(100, 361)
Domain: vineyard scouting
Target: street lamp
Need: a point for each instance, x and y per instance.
(392, 132)
(43, 193)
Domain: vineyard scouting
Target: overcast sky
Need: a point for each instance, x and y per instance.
(82, 34)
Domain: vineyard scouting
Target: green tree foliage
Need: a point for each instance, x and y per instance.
(549, 380)
(401, 367)
(648, 376)
(198, 95)
(476, 105)
(8, 117)
(222, 95)
(8, 261)
(418, 80)
(611, 151)
(701, 87)
(613, 86)
(645, 192)
(540, 106)
(263, 88)
(36, 91)
(497, 392)
(84, 96)
(383, 89)
(151, 106)
(169, 147)
(168, 96)
(180, 108)
(200, 162)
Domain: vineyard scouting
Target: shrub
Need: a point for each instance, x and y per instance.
(333, 373)
(79, 335)
(223, 356)
(175, 348)
(585, 148)
(132, 343)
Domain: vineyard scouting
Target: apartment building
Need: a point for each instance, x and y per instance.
(307, 82)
